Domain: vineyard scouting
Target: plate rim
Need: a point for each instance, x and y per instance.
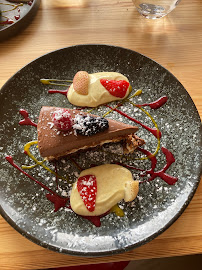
(148, 238)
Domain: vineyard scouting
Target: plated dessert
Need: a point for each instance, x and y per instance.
(63, 132)
(26, 204)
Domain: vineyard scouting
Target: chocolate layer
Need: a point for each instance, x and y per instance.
(54, 144)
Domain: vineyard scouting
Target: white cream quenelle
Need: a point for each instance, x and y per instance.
(87, 89)
(114, 183)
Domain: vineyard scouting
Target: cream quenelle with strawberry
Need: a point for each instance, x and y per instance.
(92, 90)
(100, 188)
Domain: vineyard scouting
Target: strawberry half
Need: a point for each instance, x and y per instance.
(115, 88)
(62, 119)
(87, 188)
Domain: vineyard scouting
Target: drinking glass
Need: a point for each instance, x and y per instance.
(154, 9)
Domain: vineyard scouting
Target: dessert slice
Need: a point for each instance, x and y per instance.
(99, 188)
(65, 131)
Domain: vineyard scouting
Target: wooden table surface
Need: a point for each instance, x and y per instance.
(174, 41)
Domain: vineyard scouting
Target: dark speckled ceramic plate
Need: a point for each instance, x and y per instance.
(158, 205)
(21, 14)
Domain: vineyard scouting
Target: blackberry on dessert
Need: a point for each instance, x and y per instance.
(89, 125)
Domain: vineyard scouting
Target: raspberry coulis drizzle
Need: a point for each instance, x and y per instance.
(58, 201)
(7, 21)
(56, 91)
(17, 17)
(154, 131)
(155, 104)
(169, 156)
(51, 196)
(26, 121)
(170, 180)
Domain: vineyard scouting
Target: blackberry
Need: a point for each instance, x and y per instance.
(88, 125)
